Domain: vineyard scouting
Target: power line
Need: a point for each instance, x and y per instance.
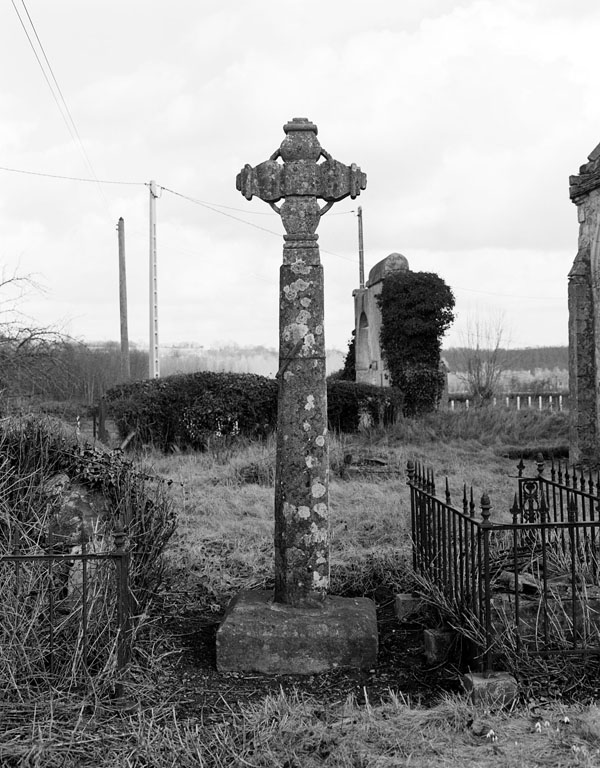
(61, 103)
(223, 213)
(73, 178)
(215, 208)
(243, 221)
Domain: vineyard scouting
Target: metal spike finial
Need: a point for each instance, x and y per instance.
(515, 509)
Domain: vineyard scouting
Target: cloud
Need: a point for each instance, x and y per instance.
(468, 118)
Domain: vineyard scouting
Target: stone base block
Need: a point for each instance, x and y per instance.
(406, 605)
(438, 644)
(259, 635)
(495, 689)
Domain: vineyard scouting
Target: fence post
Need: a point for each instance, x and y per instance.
(124, 606)
(410, 474)
(487, 587)
(102, 433)
(572, 518)
(515, 511)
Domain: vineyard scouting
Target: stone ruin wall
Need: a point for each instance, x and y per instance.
(369, 364)
(584, 316)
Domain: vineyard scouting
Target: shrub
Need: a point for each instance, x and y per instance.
(349, 402)
(188, 410)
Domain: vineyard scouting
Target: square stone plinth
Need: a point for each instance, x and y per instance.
(259, 635)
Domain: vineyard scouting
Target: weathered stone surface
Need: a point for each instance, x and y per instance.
(76, 512)
(584, 317)
(302, 467)
(492, 690)
(370, 364)
(406, 605)
(260, 635)
(438, 644)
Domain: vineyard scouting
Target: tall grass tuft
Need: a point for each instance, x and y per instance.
(50, 637)
(491, 426)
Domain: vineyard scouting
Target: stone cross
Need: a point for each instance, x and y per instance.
(301, 172)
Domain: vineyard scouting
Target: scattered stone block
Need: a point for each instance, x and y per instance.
(406, 605)
(493, 689)
(259, 635)
(438, 644)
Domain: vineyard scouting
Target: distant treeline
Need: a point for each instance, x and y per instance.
(526, 359)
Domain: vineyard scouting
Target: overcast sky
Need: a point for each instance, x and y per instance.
(467, 116)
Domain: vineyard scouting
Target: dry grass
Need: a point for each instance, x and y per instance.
(301, 733)
(224, 543)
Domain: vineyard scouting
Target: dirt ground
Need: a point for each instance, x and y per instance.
(198, 689)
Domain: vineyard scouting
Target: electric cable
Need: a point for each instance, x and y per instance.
(73, 178)
(63, 108)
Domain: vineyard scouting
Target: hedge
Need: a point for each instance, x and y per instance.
(187, 410)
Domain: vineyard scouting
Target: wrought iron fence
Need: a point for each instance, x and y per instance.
(527, 583)
(66, 613)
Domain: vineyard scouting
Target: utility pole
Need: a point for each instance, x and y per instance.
(361, 251)
(125, 364)
(153, 363)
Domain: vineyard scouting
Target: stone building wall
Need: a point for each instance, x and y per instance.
(370, 366)
(584, 316)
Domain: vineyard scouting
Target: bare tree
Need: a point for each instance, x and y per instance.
(27, 356)
(483, 359)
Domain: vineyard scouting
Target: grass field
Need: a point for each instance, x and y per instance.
(223, 543)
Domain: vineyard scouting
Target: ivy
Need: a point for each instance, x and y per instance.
(416, 309)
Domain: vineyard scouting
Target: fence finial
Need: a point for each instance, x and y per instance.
(485, 508)
(410, 471)
(520, 467)
(119, 536)
(539, 462)
(515, 509)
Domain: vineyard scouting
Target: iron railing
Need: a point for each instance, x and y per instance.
(65, 614)
(530, 583)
